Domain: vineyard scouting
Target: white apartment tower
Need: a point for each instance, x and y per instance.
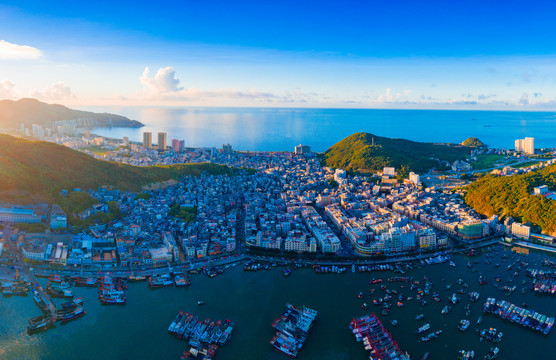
(526, 145)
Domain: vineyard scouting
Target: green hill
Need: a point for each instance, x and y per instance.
(357, 153)
(32, 111)
(511, 196)
(37, 170)
(473, 142)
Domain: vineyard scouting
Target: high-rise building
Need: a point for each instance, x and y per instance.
(161, 141)
(147, 139)
(227, 149)
(178, 145)
(526, 145)
(302, 149)
(125, 140)
(38, 131)
(414, 178)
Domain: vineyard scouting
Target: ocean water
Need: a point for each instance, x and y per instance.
(278, 129)
(138, 330)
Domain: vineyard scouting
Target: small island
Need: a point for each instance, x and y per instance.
(473, 142)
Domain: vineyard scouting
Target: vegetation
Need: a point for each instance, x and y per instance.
(512, 196)
(487, 161)
(333, 183)
(473, 142)
(98, 218)
(525, 164)
(144, 196)
(31, 228)
(185, 213)
(357, 153)
(95, 149)
(32, 111)
(37, 171)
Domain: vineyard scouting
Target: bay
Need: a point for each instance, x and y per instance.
(280, 129)
(138, 330)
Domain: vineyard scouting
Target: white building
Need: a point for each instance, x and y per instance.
(302, 149)
(526, 145)
(541, 190)
(389, 171)
(414, 178)
(520, 230)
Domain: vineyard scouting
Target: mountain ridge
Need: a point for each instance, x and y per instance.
(30, 111)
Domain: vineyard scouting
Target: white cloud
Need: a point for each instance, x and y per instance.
(165, 86)
(7, 90)
(524, 99)
(386, 97)
(56, 91)
(9, 51)
(163, 82)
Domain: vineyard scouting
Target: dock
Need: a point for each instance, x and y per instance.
(42, 293)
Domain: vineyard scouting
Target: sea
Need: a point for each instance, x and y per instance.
(139, 329)
(280, 129)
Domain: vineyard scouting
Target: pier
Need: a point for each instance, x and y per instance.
(42, 293)
(530, 246)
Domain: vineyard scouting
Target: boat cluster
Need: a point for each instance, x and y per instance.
(320, 269)
(376, 339)
(59, 287)
(210, 271)
(545, 285)
(178, 279)
(439, 259)
(369, 268)
(466, 354)
(292, 329)
(16, 287)
(519, 315)
(204, 336)
(490, 334)
(69, 311)
(111, 291)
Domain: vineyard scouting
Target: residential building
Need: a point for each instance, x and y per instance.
(147, 140)
(161, 141)
(521, 231)
(526, 145)
(227, 149)
(302, 149)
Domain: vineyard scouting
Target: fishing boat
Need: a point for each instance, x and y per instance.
(463, 325)
(40, 323)
(492, 354)
(466, 355)
(422, 329)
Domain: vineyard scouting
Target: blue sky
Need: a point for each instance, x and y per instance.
(384, 54)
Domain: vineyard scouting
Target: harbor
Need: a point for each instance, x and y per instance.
(334, 295)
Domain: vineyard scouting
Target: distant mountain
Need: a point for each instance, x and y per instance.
(473, 142)
(357, 153)
(38, 170)
(32, 111)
